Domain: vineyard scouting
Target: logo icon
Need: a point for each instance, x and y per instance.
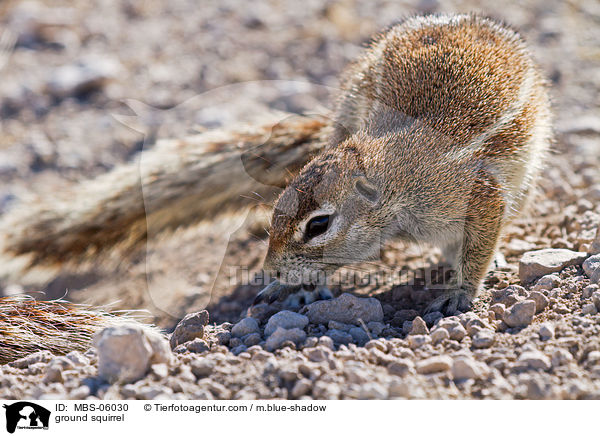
(26, 415)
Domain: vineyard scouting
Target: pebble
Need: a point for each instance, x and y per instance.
(596, 299)
(416, 341)
(401, 367)
(535, 264)
(483, 339)
(245, 327)
(521, 314)
(327, 342)
(434, 364)
(37, 357)
(359, 335)
(286, 320)
(126, 352)
(592, 268)
(541, 301)
(419, 327)
(376, 328)
(281, 335)
(595, 247)
(346, 309)
(86, 75)
(546, 331)
(252, 339)
(535, 359)
(339, 336)
(509, 295)
(457, 332)
(465, 368)
(189, 328)
(547, 282)
(197, 346)
(439, 334)
(202, 367)
(431, 317)
(589, 290)
(560, 357)
(589, 309)
(302, 387)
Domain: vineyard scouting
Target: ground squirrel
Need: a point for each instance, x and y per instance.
(440, 130)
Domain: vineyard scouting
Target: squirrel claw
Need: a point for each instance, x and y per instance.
(450, 303)
(273, 292)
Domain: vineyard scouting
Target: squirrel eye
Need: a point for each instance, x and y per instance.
(317, 226)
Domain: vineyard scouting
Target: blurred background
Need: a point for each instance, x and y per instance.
(68, 67)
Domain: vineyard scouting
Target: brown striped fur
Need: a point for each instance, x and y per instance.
(447, 118)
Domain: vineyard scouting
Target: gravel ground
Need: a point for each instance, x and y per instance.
(534, 331)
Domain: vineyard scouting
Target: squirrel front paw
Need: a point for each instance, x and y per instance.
(452, 301)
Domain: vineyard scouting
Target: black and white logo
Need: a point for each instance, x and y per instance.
(26, 415)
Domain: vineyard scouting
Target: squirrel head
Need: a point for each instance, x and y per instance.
(326, 217)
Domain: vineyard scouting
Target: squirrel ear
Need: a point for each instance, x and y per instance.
(366, 189)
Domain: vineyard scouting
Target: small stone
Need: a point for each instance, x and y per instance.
(202, 367)
(189, 328)
(223, 337)
(592, 268)
(239, 349)
(245, 327)
(419, 327)
(286, 320)
(484, 339)
(509, 295)
(560, 357)
(327, 342)
(84, 76)
(521, 314)
(375, 327)
(546, 331)
(595, 247)
(535, 264)
(252, 339)
(401, 367)
(302, 387)
(416, 341)
(547, 282)
(465, 368)
(457, 332)
(535, 359)
(37, 357)
(315, 354)
(77, 358)
(126, 352)
(589, 290)
(161, 370)
(439, 334)
(346, 308)
(197, 346)
(541, 301)
(431, 317)
(339, 336)
(359, 335)
(434, 364)
(596, 299)
(53, 374)
(80, 393)
(281, 335)
(589, 309)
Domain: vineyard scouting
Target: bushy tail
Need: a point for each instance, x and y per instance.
(176, 183)
(28, 325)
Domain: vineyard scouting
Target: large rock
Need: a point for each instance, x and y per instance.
(535, 264)
(287, 320)
(125, 353)
(346, 308)
(592, 268)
